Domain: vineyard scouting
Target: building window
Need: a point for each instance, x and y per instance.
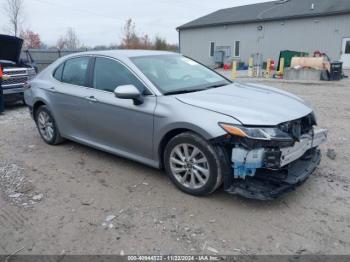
(237, 49)
(212, 49)
(227, 50)
(347, 47)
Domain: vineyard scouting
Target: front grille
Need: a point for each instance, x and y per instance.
(299, 127)
(15, 72)
(14, 81)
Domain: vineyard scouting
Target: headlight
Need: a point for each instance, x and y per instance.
(258, 133)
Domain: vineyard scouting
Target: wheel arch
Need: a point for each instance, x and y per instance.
(171, 133)
(36, 106)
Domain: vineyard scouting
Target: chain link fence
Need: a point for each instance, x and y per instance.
(42, 58)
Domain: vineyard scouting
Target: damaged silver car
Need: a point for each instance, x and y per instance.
(168, 111)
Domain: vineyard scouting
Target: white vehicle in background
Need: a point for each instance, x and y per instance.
(17, 71)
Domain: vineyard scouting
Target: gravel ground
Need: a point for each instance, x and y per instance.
(77, 200)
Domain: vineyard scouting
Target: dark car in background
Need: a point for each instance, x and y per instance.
(16, 70)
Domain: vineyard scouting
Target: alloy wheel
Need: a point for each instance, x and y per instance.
(46, 126)
(189, 166)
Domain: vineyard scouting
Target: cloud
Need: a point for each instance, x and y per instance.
(101, 22)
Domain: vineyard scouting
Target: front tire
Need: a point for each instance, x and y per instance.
(192, 164)
(47, 126)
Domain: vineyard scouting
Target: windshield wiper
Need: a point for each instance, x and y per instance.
(216, 85)
(178, 92)
(184, 91)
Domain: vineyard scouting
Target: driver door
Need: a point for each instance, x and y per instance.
(118, 125)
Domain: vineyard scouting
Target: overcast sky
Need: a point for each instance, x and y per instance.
(101, 21)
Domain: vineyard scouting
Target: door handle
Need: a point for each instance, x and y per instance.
(52, 89)
(92, 99)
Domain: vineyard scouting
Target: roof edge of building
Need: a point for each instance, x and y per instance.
(184, 27)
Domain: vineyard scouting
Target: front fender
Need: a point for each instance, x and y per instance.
(171, 114)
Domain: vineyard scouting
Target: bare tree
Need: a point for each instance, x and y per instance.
(31, 40)
(132, 40)
(162, 44)
(69, 41)
(14, 11)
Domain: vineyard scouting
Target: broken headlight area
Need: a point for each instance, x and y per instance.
(271, 184)
(287, 132)
(270, 155)
(257, 133)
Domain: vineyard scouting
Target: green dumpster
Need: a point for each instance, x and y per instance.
(288, 55)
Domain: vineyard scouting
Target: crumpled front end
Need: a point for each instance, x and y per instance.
(268, 162)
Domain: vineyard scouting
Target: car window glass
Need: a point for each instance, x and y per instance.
(75, 71)
(110, 74)
(58, 72)
(174, 72)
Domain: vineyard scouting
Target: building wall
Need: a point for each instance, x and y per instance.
(310, 34)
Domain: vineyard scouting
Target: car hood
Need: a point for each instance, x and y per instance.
(10, 48)
(250, 104)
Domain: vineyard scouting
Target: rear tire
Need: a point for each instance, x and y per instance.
(47, 126)
(193, 164)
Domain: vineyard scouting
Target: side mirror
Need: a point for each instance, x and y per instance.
(129, 92)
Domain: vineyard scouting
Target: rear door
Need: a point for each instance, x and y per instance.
(69, 92)
(116, 124)
(345, 57)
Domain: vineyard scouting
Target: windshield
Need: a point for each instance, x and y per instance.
(173, 74)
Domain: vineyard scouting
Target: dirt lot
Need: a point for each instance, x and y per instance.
(67, 192)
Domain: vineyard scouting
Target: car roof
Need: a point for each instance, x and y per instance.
(125, 53)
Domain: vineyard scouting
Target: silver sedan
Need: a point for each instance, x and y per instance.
(168, 111)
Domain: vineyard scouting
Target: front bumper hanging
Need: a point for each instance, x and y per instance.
(268, 184)
(267, 173)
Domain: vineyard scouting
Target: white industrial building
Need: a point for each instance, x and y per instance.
(268, 28)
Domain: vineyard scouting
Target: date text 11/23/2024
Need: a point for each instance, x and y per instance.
(174, 258)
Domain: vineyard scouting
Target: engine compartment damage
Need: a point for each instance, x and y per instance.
(270, 184)
(266, 169)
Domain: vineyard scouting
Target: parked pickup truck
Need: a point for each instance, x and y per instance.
(17, 71)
